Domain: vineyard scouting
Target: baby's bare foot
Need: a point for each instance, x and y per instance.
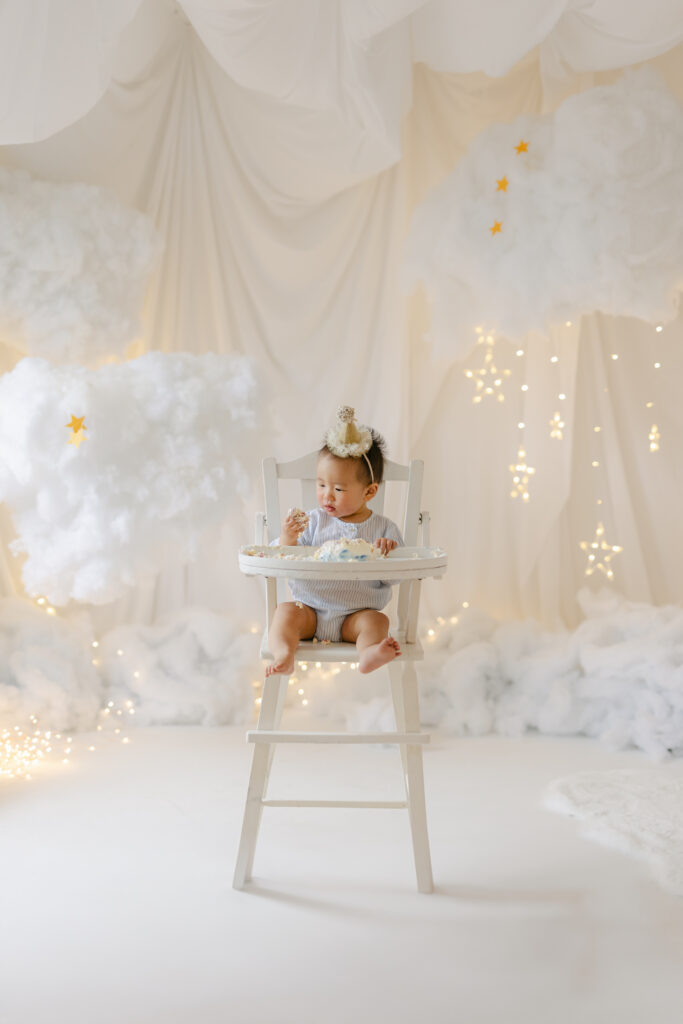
(282, 665)
(378, 655)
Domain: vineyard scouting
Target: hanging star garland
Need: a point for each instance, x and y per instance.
(600, 553)
(556, 427)
(521, 471)
(488, 379)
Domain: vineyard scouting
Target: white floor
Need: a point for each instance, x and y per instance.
(117, 902)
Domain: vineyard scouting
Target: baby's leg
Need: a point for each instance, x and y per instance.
(292, 621)
(369, 630)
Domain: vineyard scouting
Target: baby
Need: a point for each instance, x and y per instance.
(350, 469)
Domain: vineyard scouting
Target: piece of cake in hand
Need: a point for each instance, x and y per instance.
(299, 517)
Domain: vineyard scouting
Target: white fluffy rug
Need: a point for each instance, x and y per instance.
(638, 812)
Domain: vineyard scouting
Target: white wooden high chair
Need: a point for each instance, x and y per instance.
(402, 670)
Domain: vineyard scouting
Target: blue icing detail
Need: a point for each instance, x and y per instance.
(343, 556)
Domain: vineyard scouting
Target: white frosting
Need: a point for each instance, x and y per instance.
(357, 550)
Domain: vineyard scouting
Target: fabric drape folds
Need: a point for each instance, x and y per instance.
(346, 57)
(283, 225)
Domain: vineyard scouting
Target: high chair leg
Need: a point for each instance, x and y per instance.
(272, 703)
(406, 703)
(399, 712)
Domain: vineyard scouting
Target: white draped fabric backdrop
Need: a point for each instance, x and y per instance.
(280, 149)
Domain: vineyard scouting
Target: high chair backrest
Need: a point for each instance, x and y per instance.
(305, 470)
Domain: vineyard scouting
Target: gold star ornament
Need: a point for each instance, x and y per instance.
(521, 147)
(76, 423)
(502, 184)
(76, 437)
(496, 227)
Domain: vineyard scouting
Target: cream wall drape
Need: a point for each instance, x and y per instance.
(283, 201)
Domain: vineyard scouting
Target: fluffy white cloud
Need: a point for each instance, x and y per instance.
(618, 678)
(194, 668)
(590, 218)
(170, 440)
(46, 669)
(73, 267)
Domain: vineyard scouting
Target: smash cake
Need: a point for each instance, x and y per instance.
(357, 550)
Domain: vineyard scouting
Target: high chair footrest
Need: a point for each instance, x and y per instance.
(280, 736)
(390, 804)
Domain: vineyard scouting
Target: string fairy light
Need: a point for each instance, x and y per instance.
(654, 434)
(22, 750)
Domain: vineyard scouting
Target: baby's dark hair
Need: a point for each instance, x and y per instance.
(376, 454)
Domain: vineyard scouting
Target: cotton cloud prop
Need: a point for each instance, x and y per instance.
(169, 442)
(73, 266)
(591, 218)
(195, 668)
(618, 678)
(46, 670)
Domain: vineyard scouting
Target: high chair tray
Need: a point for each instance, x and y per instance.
(297, 563)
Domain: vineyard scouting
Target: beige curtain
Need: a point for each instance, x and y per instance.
(283, 226)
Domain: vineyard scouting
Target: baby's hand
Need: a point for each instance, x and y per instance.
(385, 545)
(294, 524)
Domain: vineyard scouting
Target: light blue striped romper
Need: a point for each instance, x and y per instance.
(333, 600)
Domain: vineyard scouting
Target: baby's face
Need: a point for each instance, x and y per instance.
(340, 492)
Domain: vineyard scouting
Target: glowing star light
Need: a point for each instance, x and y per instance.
(653, 438)
(600, 553)
(556, 427)
(488, 378)
(521, 472)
